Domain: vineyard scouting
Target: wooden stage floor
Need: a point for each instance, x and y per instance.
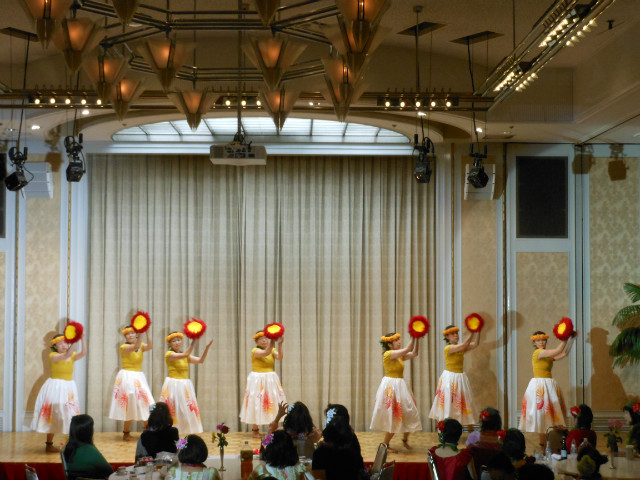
(25, 447)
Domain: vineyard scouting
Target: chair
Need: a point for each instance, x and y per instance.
(432, 467)
(30, 473)
(555, 435)
(481, 455)
(381, 458)
(65, 468)
(305, 447)
(387, 471)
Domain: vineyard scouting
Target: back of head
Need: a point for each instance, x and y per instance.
(194, 452)
(490, 420)
(337, 410)
(338, 432)
(585, 417)
(452, 431)
(298, 419)
(633, 409)
(160, 417)
(80, 431)
(535, 471)
(589, 461)
(279, 450)
(500, 466)
(514, 444)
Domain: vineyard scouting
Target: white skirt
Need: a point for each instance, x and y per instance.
(131, 397)
(395, 410)
(261, 398)
(542, 406)
(57, 402)
(454, 399)
(180, 397)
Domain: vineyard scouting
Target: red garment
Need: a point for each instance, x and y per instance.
(452, 468)
(579, 435)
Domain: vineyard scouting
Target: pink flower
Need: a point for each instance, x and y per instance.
(182, 443)
(223, 428)
(615, 424)
(267, 440)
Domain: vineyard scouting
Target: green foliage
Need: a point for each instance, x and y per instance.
(626, 346)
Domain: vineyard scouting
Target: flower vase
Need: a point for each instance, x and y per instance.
(222, 469)
(613, 450)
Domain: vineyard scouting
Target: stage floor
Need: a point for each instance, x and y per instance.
(24, 447)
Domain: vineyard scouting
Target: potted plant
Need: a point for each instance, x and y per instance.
(626, 346)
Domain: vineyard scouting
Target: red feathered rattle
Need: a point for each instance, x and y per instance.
(474, 322)
(194, 328)
(564, 329)
(73, 332)
(274, 331)
(140, 322)
(418, 326)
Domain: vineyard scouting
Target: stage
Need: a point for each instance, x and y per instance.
(16, 449)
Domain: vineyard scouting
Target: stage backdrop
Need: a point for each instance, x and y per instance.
(338, 249)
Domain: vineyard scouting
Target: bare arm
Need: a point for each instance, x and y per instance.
(128, 348)
(475, 342)
(279, 353)
(148, 345)
(401, 352)
(462, 347)
(266, 352)
(200, 359)
(282, 410)
(414, 352)
(552, 352)
(83, 353)
(61, 357)
(185, 354)
(567, 349)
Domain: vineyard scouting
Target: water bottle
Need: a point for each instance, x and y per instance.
(246, 461)
(563, 449)
(574, 449)
(547, 453)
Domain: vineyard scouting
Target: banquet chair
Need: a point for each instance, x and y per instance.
(432, 467)
(387, 471)
(305, 447)
(65, 469)
(381, 458)
(30, 473)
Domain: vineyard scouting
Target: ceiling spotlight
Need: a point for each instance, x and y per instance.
(227, 102)
(52, 100)
(85, 111)
(433, 103)
(258, 103)
(311, 104)
(243, 102)
(35, 127)
(447, 103)
(67, 100)
(36, 100)
(387, 103)
(402, 103)
(17, 180)
(83, 101)
(424, 159)
(479, 129)
(418, 103)
(76, 168)
(98, 102)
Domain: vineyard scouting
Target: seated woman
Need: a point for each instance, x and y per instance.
(281, 459)
(451, 464)
(499, 467)
(82, 457)
(192, 453)
(160, 435)
(632, 414)
(299, 425)
(514, 445)
(337, 455)
(490, 423)
(584, 417)
(589, 461)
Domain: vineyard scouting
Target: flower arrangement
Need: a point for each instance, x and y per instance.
(181, 443)
(267, 440)
(440, 428)
(221, 435)
(613, 435)
(635, 407)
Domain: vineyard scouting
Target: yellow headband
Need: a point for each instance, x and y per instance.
(174, 335)
(258, 335)
(450, 330)
(57, 339)
(392, 338)
(127, 330)
(540, 336)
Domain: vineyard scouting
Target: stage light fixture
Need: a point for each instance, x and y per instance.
(17, 180)
(477, 176)
(424, 158)
(76, 168)
(52, 100)
(433, 103)
(402, 104)
(83, 101)
(36, 100)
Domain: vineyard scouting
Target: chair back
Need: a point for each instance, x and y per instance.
(30, 473)
(387, 471)
(381, 458)
(305, 447)
(555, 436)
(481, 455)
(432, 467)
(65, 469)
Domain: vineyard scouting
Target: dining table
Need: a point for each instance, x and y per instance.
(625, 468)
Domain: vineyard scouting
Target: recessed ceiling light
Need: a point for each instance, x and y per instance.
(35, 127)
(479, 129)
(85, 111)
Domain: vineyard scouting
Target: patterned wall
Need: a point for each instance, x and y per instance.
(479, 291)
(614, 255)
(2, 319)
(543, 299)
(42, 283)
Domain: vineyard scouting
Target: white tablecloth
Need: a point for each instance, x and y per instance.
(625, 468)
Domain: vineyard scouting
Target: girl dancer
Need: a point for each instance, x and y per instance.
(177, 391)
(395, 410)
(263, 391)
(57, 400)
(131, 394)
(453, 396)
(543, 405)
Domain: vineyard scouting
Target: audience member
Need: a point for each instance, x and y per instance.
(452, 464)
(281, 459)
(192, 453)
(160, 435)
(82, 457)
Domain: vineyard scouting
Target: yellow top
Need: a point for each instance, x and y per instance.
(453, 361)
(62, 370)
(392, 368)
(541, 366)
(131, 361)
(177, 368)
(262, 364)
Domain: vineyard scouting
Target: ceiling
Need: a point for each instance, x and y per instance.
(588, 92)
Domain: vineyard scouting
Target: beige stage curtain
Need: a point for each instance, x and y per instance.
(338, 249)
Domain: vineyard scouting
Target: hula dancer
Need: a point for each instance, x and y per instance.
(177, 391)
(453, 396)
(131, 394)
(264, 391)
(395, 410)
(57, 400)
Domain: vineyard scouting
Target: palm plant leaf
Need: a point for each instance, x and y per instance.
(627, 315)
(626, 347)
(633, 291)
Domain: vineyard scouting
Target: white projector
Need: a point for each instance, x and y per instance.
(239, 154)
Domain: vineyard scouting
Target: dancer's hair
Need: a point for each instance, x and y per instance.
(447, 328)
(385, 345)
(53, 347)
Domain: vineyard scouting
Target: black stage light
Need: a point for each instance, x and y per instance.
(422, 170)
(477, 176)
(16, 180)
(75, 170)
(76, 167)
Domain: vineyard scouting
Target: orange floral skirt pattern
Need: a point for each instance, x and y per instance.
(395, 409)
(454, 399)
(57, 402)
(131, 397)
(542, 406)
(180, 396)
(262, 395)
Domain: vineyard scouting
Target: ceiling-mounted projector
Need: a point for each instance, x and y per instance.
(239, 154)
